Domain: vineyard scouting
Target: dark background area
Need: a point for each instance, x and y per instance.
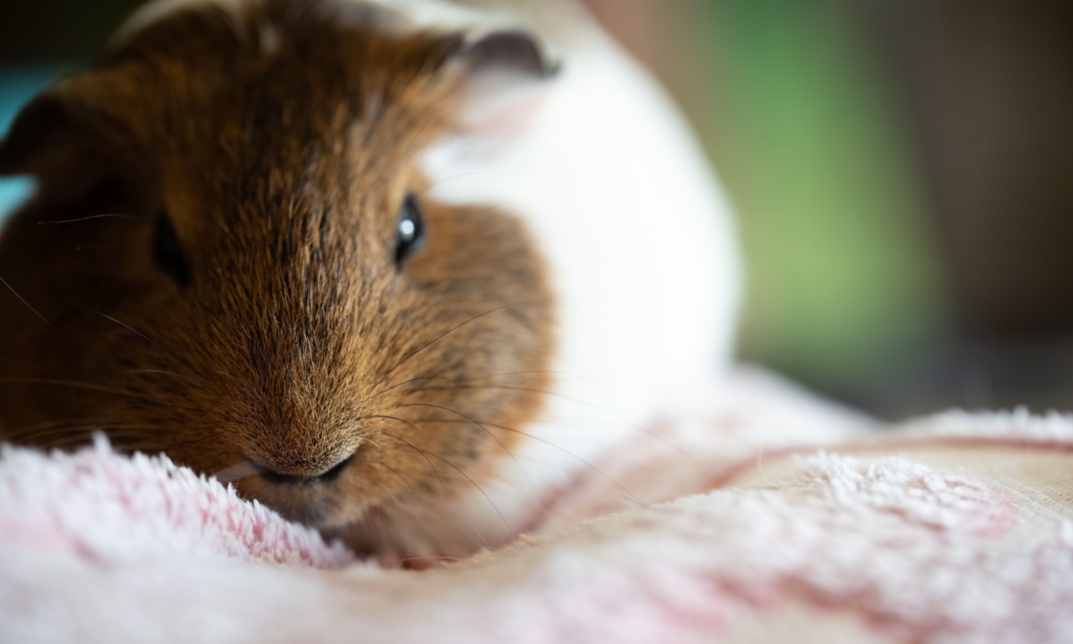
(51, 31)
(903, 170)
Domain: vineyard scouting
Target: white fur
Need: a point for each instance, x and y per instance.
(155, 10)
(640, 243)
(417, 14)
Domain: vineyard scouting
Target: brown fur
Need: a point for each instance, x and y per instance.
(296, 340)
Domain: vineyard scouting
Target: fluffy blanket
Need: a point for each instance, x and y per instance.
(762, 516)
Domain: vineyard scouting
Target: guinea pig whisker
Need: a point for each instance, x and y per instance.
(432, 185)
(588, 465)
(188, 445)
(639, 428)
(125, 326)
(59, 442)
(417, 449)
(161, 372)
(90, 217)
(410, 354)
(463, 475)
(20, 298)
(137, 438)
(123, 434)
(59, 437)
(133, 446)
(54, 438)
(125, 407)
(126, 437)
(413, 492)
(437, 376)
(140, 396)
(72, 383)
(80, 426)
(56, 422)
(397, 385)
(474, 422)
(545, 392)
(515, 373)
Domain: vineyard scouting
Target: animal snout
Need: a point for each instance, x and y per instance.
(302, 475)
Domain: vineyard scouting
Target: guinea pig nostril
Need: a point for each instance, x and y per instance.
(336, 469)
(272, 475)
(326, 476)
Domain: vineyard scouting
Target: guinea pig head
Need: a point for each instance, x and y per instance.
(231, 259)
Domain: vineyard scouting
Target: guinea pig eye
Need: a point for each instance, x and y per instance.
(167, 254)
(410, 234)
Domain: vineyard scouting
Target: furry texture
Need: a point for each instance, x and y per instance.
(210, 266)
(956, 529)
(225, 285)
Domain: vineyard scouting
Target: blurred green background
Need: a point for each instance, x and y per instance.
(903, 173)
(845, 289)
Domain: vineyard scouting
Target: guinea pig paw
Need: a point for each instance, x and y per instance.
(416, 556)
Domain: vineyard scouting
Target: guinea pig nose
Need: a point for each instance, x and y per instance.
(325, 476)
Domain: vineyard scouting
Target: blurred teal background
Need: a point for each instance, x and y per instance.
(901, 171)
(17, 84)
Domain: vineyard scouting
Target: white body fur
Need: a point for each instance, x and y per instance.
(638, 236)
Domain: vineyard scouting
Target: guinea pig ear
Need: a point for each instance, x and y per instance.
(56, 140)
(39, 139)
(513, 52)
(503, 76)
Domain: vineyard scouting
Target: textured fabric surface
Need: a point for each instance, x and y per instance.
(759, 515)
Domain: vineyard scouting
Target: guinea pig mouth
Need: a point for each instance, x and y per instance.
(314, 501)
(301, 503)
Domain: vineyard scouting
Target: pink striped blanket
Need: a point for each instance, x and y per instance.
(763, 515)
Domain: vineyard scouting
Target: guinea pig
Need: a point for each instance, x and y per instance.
(394, 268)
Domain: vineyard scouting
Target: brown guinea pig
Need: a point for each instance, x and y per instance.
(388, 266)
